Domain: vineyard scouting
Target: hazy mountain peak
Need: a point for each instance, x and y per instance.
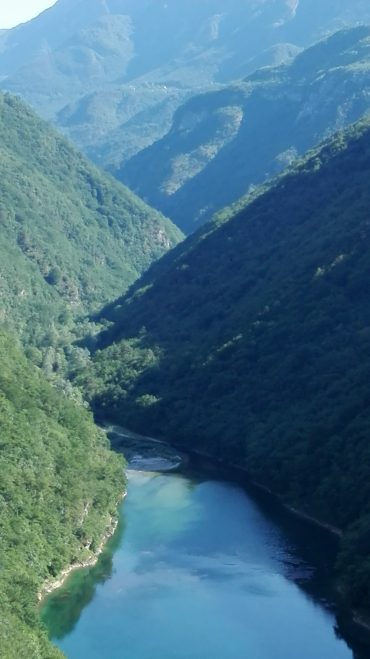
(111, 73)
(223, 142)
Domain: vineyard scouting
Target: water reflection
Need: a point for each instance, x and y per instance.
(200, 569)
(62, 610)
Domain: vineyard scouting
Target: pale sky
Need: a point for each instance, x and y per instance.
(13, 12)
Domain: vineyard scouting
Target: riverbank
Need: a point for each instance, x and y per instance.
(167, 462)
(52, 585)
(228, 468)
(145, 458)
(231, 469)
(144, 453)
(201, 570)
(359, 619)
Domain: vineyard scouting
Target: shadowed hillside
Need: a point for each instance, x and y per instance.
(251, 340)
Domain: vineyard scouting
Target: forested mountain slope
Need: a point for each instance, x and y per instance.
(224, 142)
(71, 236)
(112, 72)
(59, 489)
(251, 340)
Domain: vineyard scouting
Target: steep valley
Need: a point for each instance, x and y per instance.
(252, 338)
(246, 345)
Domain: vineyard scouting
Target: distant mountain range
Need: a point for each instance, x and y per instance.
(225, 142)
(111, 73)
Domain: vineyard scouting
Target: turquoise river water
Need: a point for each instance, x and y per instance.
(201, 569)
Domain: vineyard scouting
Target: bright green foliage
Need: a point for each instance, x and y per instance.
(71, 237)
(59, 489)
(251, 340)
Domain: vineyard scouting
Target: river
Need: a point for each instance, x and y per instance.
(200, 568)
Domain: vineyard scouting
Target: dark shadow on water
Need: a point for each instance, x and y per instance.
(309, 562)
(312, 548)
(61, 611)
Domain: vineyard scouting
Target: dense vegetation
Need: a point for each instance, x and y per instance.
(59, 488)
(251, 340)
(225, 142)
(71, 236)
(111, 73)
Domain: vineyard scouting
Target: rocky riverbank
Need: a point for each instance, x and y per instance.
(53, 584)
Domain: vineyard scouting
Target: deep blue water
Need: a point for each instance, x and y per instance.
(198, 570)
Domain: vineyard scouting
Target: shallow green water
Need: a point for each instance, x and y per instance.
(198, 570)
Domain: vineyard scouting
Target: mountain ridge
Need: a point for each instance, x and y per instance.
(251, 341)
(104, 49)
(222, 143)
(71, 235)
